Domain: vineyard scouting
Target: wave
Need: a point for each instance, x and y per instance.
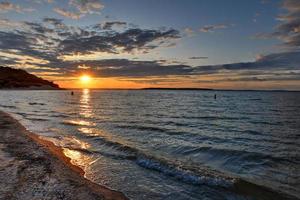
(190, 174)
(22, 114)
(78, 123)
(216, 118)
(59, 115)
(256, 99)
(188, 150)
(142, 128)
(207, 117)
(241, 154)
(152, 129)
(203, 177)
(36, 119)
(5, 106)
(267, 123)
(36, 103)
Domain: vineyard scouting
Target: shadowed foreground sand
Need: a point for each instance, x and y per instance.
(31, 169)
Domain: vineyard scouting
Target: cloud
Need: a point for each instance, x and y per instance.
(87, 6)
(189, 32)
(289, 28)
(41, 47)
(212, 28)
(129, 68)
(53, 21)
(266, 65)
(6, 23)
(264, 68)
(109, 25)
(42, 1)
(52, 39)
(67, 13)
(7, 6)
(117, 42)
(271, 62)
(83, 7)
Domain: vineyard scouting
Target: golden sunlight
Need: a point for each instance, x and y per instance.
(85, 78)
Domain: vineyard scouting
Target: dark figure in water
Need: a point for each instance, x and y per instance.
(72, 93)
(215, 96)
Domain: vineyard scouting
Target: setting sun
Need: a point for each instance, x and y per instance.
(85, 78)
(197, 101)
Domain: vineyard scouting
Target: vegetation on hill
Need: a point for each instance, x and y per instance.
(17, 78)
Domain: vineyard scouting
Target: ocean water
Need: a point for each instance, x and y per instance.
(157, 144)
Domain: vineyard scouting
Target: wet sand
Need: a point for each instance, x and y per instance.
(32, 168)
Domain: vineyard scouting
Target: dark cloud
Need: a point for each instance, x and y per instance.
(289, 28)
(128, 68)
(267, 65)
(113, 42)
(54, 38)
(38, 28)
(280, 66)
(276, 61)
(19, 44)
(109, 25)
(261, 77)
(55, 22)
(49, 40)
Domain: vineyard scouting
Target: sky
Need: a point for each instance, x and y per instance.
(222, 44)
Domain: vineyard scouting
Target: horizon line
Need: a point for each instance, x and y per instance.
(200, 89)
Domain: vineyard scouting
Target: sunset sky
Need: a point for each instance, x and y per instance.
(229, 44)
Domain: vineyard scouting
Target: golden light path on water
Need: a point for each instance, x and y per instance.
(78, 157)
(85, 105)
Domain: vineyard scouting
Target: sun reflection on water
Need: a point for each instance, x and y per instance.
(87, 131)
(85, 104)
(78, 123)
(78, 158)
(74, 149)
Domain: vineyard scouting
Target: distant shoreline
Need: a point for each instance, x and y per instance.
(211, 89)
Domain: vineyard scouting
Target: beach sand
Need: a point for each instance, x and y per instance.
(32, 168)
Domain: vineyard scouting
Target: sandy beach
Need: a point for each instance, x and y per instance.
(32, 168)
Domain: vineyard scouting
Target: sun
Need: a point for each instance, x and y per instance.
(85, 78)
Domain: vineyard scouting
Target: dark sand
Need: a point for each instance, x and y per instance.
(32, 169)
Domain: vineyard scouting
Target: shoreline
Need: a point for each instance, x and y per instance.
(34, 168)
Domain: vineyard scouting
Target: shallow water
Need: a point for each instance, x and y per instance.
(172, 144)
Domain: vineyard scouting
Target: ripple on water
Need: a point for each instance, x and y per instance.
(78, 123)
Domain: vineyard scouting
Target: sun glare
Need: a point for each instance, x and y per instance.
(85, 78)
